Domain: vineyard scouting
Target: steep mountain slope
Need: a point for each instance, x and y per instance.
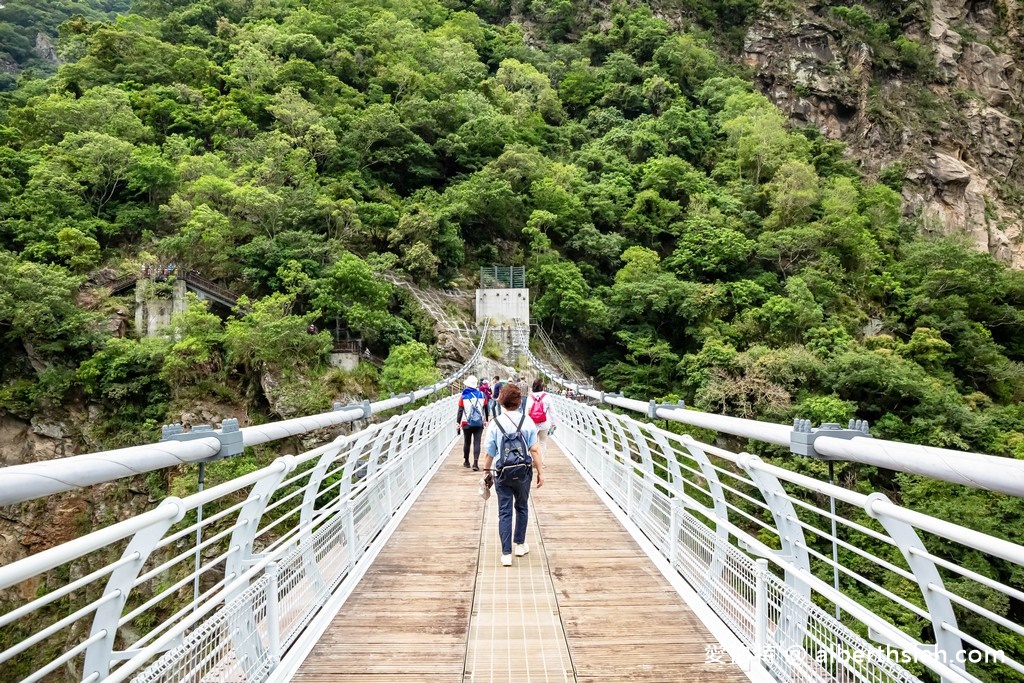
(930, 91)
(28, 32)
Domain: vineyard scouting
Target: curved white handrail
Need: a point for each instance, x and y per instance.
(20, 483)
(977, 470)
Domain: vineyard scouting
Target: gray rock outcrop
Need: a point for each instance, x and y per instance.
(959, 162)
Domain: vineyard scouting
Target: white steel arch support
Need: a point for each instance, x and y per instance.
(316, 480)
(308, 512)
(240, 555)
(719, 512)
(940, 609)
(351, 462)
(791, 538)
(243, 537)
(99, 655)
(675, 483)
(642, 449)
(615, 443)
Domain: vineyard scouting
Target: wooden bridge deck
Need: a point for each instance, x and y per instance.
(585, 605)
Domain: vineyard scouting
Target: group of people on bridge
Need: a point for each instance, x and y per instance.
(159, 273)
(515, 444)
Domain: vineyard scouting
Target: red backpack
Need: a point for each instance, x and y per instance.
(537, 412)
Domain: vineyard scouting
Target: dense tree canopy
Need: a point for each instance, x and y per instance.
(663, 207)
(676, 229)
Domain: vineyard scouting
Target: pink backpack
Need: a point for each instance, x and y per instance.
(537, 412)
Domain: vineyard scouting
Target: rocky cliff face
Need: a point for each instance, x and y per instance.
(944, 101)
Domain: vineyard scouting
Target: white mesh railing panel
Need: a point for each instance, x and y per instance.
(799, 642)
(230, 646)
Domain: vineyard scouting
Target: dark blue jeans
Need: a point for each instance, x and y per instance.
(512, 495)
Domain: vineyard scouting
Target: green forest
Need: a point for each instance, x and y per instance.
(673, 225)
(23, 22)
(678, 233)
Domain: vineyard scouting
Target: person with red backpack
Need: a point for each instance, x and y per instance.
(485, 389)
(538, 407)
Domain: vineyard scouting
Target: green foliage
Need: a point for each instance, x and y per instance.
(268, 335)
(492, 349)
(363, 381)
(676, 229)
(409, 366)
(22, 20)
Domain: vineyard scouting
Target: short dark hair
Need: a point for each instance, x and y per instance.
(497, 379)
(538, 385)
(510, 396)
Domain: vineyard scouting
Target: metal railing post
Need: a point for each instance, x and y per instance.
(760, 607)
(273, 615)
(793, 546)
(348, 521)
(673, 530)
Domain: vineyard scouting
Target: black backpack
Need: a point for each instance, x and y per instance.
(514, 463)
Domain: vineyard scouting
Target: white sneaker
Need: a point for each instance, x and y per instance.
(522, 549)
(506, 560)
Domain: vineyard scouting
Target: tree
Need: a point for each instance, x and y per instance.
(408, 367)
(758, 137)
(269, 335)
(100, 163)
(794, 191)
(521, 89)
(350, 291)
(708, 246)
(566, 300)
(197, 352)
(38, 309)
(385, 145)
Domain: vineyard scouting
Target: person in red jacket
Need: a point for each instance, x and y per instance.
(485, 389)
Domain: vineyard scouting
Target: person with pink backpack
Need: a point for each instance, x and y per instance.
(538, 407)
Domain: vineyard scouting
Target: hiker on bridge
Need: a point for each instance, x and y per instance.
(514, 453)
(538, 407)
(470, 420)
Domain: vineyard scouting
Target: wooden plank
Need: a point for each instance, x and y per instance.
(438, 584)
(408, 618)
(623, 620)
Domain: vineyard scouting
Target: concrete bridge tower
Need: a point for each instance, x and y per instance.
(504, 300)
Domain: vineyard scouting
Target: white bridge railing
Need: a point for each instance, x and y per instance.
(820, 582)
(283, 541)
(141, 600)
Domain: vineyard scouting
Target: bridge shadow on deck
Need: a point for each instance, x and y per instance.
(586, 604)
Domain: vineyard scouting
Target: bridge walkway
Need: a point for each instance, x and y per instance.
(586, 604)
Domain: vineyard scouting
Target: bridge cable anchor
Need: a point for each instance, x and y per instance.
(653, 407)
(801, 439)
(229, 436)
(364, 406)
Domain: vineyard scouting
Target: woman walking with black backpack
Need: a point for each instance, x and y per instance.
(512, 450)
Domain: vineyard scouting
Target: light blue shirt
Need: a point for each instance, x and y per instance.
(509, 422)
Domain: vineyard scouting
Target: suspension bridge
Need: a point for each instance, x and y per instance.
(653, 556)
